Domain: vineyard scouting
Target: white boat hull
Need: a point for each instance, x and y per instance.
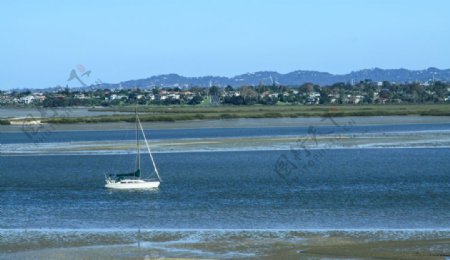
(131, 184)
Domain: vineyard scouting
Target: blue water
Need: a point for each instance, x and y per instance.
(355, 188)
(47, 135)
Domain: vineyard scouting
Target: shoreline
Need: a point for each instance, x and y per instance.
(235, 123)
(415, 139)
(226, 244)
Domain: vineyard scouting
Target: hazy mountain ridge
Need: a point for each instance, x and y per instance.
(292, 78)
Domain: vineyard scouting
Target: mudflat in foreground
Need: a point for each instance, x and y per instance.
(219, 244)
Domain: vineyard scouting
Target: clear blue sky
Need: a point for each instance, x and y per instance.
(41, 41)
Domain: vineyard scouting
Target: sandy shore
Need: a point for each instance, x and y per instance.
(223, 244)
(435, 139)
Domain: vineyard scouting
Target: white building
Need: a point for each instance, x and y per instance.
(81, 96)
(27, 99)
(357, 99)
(174, 96)
(117, 97)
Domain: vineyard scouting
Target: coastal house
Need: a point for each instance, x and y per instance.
(173, 96)
(333, 98)
(81, 96)
(312, 101)
(356, 99)
(188, 95)
(6, 99)
(232, 94)
(117, 97)
(314, 95)
(375, 95)
(27, 99)
(313, 98)
(40, 97)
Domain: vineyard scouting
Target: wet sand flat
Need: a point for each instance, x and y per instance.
(226, 244)
(433, 139)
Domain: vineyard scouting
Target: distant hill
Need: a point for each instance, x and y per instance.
(292, 78)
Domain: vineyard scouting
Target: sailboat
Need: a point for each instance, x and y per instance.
(133, 180)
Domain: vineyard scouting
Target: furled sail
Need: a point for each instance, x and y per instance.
(135, 174)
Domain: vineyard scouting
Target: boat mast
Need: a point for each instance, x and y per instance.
(137, 143)
(148, 148)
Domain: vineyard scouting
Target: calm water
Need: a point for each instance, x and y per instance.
(355, 188)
